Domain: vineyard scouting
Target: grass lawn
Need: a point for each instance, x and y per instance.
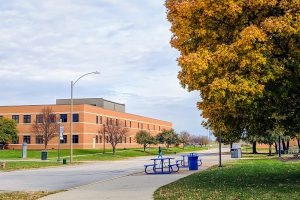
(244, 179)
(17, 165)
(52, 154)
(80, 155)
(129, 153)
(23, 195)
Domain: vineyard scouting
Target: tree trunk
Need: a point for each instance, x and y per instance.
(144, 147)
(254, 151)
(298, 141)
(45, 144)
(231, 145)
(276, 148)
(270, 149)
(114, 150)
(287, 145)
(283, 145)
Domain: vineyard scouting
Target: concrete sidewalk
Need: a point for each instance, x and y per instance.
(133, 186)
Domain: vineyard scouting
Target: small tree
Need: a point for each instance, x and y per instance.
(114, 131)
(8, 131)
(167, 137)
(144, 138)
(185, 138)
(204, 140)
(45, 125)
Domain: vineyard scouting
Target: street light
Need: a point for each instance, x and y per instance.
(71, 122)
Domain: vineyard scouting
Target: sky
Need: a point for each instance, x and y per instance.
(46, 44)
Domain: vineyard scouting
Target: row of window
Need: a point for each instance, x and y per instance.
(127, 123)
(40, 118)
(99, 120)
(39, 139)
(99, 139)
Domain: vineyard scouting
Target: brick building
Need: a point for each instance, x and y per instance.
(89, 115)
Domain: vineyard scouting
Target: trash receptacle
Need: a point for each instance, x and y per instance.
(236, 152)
(44, 155)
(193, 161)
(64, 161)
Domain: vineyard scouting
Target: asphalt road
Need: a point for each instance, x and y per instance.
(61, 178)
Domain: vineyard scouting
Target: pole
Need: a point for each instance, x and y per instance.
(220, 145)
(71, 125)
(279, 147)
(58, 153)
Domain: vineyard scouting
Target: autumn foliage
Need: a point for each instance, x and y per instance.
(243, 56)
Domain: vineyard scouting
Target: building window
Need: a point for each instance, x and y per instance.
(111, 121)
(16, 118)
(159, 128)
(97, 139)
(142, 126)
(117, 122)
(52, 118)
(106, 120)
(16, 140)
(120, 140)
(27, 119)
(39, 139)
(100, 139)
(64, 117)
(100, 119)
(75, 139)
(129, 139)
(125, 140)
(26, 139)
(130, 124)
(97, 120)
(106, 139)
(39, 118)
(76, 117)
(125, 123)
(64, 140)
(138, 125)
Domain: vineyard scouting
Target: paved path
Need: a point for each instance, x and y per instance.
(110, 178)
(131, 186)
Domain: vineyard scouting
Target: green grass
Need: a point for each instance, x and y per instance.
(52, 154)
(23, 195)
(17, 165)
(129, 153)
(245, 179)
(81, 155)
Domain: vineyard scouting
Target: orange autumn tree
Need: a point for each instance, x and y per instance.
(234, 52)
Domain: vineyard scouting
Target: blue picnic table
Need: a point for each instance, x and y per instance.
(163, 167)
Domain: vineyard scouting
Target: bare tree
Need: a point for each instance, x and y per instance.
(45, 125)
(114, 132)
(185, 138)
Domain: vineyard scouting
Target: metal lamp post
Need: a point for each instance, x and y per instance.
(71, 108)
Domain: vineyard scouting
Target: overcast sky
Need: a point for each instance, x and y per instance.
(46, 44)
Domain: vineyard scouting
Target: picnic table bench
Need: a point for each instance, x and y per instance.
(158, 168)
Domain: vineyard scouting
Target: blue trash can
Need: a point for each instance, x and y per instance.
(193, 161)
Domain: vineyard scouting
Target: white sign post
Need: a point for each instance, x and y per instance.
(61, 137)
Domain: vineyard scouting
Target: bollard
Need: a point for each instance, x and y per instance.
(64, 161)
(3, 165)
